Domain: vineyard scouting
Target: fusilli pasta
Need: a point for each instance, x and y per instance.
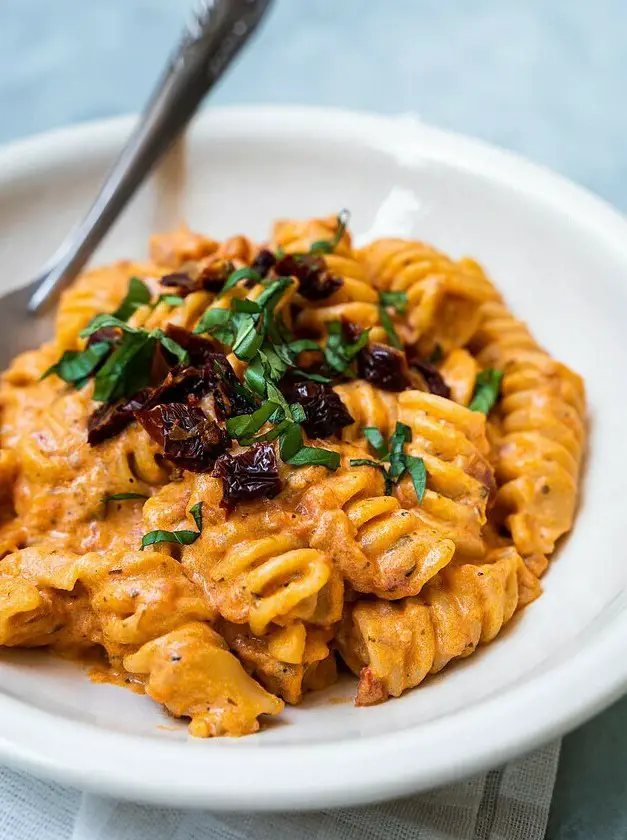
(217, 488)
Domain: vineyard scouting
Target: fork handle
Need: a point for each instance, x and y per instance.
(206, 49)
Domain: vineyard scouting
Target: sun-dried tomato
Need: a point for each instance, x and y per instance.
(251, 474)
(107, 421)
(208, 278)
(432, 377)
(325, 413)
(315, 281)
(383, 366)
(181, 383)
(109, 334)
(189, 439)
(263, 262)
(199, 349)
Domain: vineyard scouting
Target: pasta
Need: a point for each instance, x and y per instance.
(394, 645)
(237, 465)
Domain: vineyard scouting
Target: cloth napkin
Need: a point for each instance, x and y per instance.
(511, 803)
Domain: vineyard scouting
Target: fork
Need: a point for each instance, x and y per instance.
(218, 30)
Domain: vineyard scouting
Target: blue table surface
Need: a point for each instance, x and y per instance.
(543, 77)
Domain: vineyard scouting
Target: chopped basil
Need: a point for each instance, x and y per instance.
(159, 536)
(245, 425)
(314, 455)
(366, 462)
(121, 497)
(338, 351)
(127, 370)
(248, 339)
(170, 300)
(255, 377)
(291, 442)
(296, 347)
(218, 323)
(75, 366)
(170, 345)
(273, 293)
(245, 305)
(138, 294)
(390, 330)
(435, 355)
(271, 435)
(327, 246)
(399, 461)
(418, 474)
(397, 300)
(105, 320)
(376, 440)
(298, 413)
(196, 512)
(487, 387)
(234, 278)
(181, 537)
(401, 436)
(273, 364)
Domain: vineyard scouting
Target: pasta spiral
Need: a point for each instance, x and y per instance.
(377, 545)
(270, 579)
(459, 371)
(356, 300)
(99, 290)
(541, 432)
(393, 646)
(443, 296)
(287, 661)
(451, 441)
(192, 672)
(369, 406)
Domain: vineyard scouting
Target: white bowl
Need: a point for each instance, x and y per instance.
(559, 255)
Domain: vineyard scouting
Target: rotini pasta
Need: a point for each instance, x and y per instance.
(541, 432)
(236, 462)
(443, 296)
(393, 646)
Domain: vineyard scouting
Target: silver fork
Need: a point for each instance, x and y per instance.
(219, 29)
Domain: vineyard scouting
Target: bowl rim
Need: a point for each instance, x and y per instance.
(545, 704)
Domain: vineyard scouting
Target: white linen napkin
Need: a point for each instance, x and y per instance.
(511, 803)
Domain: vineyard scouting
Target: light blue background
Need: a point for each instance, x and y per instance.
(546, 78)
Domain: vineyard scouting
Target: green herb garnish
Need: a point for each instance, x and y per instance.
(181, 537)
(315, 455)
(246, 273)
(435, 355)
(486, 393)
(398, 301)
(339, 352)
(127, 370)
(366, 462)
(327, 246)
(400, 462)
(122, 497)
(218, 323)
(138, 294)
(76, 366)
(170, 300)
(291, 441)
(401, 436)
(196, 512)
(418, 474)
(376, 440)
(244, 426)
